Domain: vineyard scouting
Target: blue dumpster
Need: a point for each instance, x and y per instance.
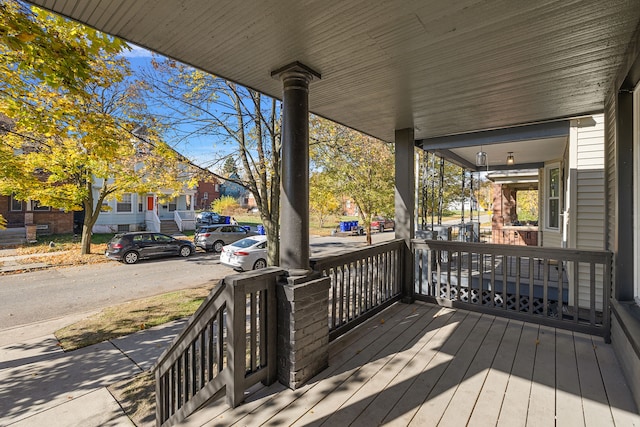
(247, 227)
(344, 225)
(261, 229)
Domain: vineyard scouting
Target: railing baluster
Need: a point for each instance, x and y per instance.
(193, 372)
(203, 358)
(459, 274)
(531, 280)
(545, 288)
(449, 259)
(427, 272)
(492, 281)
(576, 290)
(470, 279)
(348, 292)
(334, 297)
(517, 305)
(592, 287)
(253, 318)
(221, 341)
(506, 263)
(560, 285)
(264, 360)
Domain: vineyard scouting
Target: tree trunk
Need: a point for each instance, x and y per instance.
(272, 230)
(85, 246)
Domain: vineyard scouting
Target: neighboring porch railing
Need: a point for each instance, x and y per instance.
(228, 345)
(185, 220)
(363, 282)
(152, 221)
(564, 288)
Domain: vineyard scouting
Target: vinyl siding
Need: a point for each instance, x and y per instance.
(588, 207)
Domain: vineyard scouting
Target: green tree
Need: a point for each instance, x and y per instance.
(197, 104)
(322, 198)
(360, 167)
(229, 167)
(73, 130)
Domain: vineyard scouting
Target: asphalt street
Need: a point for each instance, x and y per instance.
(56, 292)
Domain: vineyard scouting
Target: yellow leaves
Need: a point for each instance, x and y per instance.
(25, 37)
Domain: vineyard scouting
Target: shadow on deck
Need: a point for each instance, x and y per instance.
(421, 364)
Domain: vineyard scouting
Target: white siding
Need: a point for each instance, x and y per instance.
(588, 207)
(589, 212)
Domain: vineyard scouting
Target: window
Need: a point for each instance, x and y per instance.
(16, 205)
(35, 206)
(205, 196)
(553, 190)
(124, 205)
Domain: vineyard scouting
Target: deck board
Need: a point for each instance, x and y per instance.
(516, 399)
(489, 401)
(424, 365)
(568, 400)
(594, 398)
(463, 402)
(542, 402)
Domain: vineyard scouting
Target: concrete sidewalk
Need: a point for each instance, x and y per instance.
(42, 385)
(10, 261)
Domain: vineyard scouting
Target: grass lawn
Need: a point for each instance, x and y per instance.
(130, 317)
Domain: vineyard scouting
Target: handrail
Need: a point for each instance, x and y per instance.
(211, 355)
(152, 221)
(363, 282)
(178, 220)
(560, 287)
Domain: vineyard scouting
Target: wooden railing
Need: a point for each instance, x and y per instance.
(228, 345)
(363, 282)
(565, 288)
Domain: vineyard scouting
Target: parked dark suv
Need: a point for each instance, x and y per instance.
(210, 218)
(130, 247)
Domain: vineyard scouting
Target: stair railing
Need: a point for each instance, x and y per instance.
(228, 345)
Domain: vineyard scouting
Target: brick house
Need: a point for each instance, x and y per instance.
(206, 192)
(48, 220)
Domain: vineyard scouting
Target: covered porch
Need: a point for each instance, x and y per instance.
(412, 74)
(422, 365)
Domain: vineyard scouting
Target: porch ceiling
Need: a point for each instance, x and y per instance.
(439, 67)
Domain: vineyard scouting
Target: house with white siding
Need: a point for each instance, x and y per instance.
(150, 211)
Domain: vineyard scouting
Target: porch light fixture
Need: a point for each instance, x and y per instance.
(510, 159)
(481, 158)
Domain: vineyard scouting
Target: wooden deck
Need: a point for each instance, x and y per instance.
(423, 365)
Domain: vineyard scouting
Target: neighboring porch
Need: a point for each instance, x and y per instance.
(421, 364)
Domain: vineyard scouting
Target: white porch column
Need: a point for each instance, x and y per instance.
(405, 203)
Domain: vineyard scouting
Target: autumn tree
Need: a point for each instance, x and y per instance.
(361, 167)
(225, 205)
(242, 125)
(322, 197)
(73, 122)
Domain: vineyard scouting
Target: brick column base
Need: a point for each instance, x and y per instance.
(303, 328)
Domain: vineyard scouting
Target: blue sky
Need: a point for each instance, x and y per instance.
(199, 150)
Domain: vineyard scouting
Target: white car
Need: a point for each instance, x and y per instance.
(249, 253)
